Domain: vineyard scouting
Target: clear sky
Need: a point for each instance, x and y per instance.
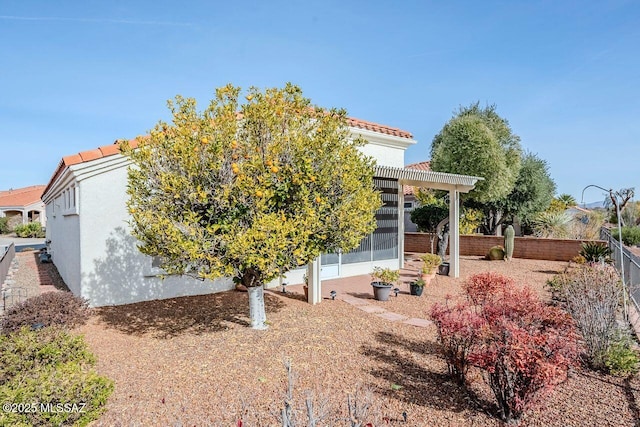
(75, 75)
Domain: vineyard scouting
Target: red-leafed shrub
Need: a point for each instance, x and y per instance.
(527, 348)
(482, 286)
(459, 329)
(524, 346)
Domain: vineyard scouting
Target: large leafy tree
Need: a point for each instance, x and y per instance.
(477, 141)
(249, 190)
(532, 193)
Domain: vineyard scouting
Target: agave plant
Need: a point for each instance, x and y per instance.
(595, 252)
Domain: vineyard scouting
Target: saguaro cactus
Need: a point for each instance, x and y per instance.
(509, 240)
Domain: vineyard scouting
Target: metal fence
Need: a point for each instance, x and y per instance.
(629, 261)
(7, 254)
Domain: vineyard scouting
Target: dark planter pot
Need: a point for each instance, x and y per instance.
(381, 290)
(415, 289)
(443, 269)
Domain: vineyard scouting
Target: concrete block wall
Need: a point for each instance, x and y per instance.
(525, 247)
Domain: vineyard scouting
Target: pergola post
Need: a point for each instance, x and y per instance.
(314, 294)
(400, 225)
(454, 232)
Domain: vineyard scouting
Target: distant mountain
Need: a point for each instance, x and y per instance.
(592, 205)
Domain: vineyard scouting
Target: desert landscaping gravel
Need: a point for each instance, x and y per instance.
(194, 361)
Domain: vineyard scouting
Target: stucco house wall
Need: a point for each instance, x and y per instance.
(96, 254)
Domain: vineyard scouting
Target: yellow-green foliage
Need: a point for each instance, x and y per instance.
(431, 262)
(470, 220)
(257, 188)
(50, 366)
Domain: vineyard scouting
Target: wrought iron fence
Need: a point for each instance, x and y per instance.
(12, 296)
(627, 260)
(7, 253)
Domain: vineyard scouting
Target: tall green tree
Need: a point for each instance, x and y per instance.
(249, 190)
(532, 193)
(477, 141)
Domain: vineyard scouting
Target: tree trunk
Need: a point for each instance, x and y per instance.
(442, 230)
(251, 279)
(256, 307)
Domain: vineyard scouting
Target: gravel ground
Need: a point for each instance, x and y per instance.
(194, 361)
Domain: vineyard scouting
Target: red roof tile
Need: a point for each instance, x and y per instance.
(21, 196)
(376, 127)
(112, 149)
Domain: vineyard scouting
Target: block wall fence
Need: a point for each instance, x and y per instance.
(525, 247)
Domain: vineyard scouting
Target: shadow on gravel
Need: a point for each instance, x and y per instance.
(631, 399)
(185, 315)
(418, 383)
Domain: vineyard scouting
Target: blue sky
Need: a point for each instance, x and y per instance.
(75, 75)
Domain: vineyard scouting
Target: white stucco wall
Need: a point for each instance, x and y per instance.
(113, 270)
(64, 233)
(384, 155)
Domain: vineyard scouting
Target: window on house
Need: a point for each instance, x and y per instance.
(69, 201)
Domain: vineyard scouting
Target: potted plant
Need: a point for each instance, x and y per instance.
(430, 266)
(382, 280)
(416, 287)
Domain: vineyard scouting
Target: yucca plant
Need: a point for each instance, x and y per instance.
(595, 252)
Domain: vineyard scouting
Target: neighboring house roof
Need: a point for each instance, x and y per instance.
(21, 197)
(112, 149)
(421, 166)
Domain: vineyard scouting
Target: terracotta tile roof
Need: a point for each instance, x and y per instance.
(109, 150)
(376, 127)
(21, 196)
(86, 156)
(422, 166)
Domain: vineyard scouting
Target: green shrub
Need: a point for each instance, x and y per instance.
(50, 366)
(630, 235)
(32, 229)
(49, 309)
(431, 262)
(592, 295)
(385, 275)
(4, 225)
(595, 252)
(620, 359)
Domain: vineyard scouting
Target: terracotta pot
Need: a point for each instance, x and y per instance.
(428, 277)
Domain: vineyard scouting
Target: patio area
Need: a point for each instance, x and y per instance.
(405, 308)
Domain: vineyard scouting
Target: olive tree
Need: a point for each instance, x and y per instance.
(249, 190)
